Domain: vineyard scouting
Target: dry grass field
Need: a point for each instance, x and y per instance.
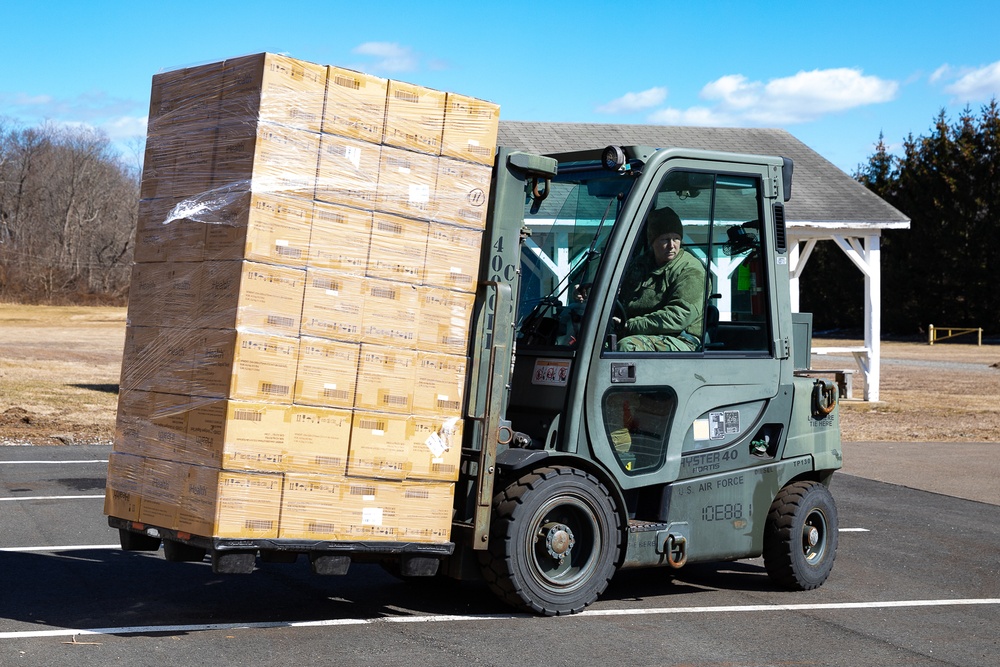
(59, 371)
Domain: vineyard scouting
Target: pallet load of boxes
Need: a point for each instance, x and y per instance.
(306, 261)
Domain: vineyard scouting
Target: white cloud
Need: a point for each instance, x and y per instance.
(803, 97)
(390, 56)
(977, 84)
(631, 102)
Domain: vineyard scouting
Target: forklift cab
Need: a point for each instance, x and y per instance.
(637, 414)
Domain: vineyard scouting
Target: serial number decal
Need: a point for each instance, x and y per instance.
(722, 512)
(553, 372)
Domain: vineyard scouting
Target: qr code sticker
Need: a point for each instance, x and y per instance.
(732, 418)
(722, 424)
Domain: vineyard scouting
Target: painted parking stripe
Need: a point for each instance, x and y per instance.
(758, 608)
(13, 498)
(68, 547)
(11, 463)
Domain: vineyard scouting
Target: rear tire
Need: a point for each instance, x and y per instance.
(800, 536)
(554, 542)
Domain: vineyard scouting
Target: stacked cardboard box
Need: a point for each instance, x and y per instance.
(306, 262)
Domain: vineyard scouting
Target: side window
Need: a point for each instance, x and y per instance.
(737, 313)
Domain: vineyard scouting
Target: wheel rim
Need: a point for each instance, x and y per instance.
(564, 543)
(814, 536)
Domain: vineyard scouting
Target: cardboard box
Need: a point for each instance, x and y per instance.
(414, 117)
(332, 305)
(453, 257)
(160, 237)
(440, 384)
(340, 238)
(275, 89)
(162, 485)
(462, 193)
(244, 364)
(385, 379)
(355, 104)
(259, 226)
(123, 494)
(423, 511)
(369, 510)
(327, 372)
(249, 295)
(273, 158)
(157, 359)
(470, 129)
(312, 507)
(164, 294)
(389, 314)
(237, 435)
(184, 98)
(393, 446)
(219, 503)
(406, 183)
(319, 442)
(348, 171)
(444, 320)
(398, 248)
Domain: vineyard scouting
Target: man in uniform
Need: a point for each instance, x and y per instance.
(663, 293)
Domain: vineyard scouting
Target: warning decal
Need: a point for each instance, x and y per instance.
(724, 423)
(553, 372)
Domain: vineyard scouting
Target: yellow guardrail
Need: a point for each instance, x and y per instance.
(934, 335)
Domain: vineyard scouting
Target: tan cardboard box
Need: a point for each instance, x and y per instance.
(414, 117)
(238, 435)
(260, 226)
(185, 97)
(385, 379)
(327, 372)
(423, 511)
(274, 158)
(440, 384)
(164, 294)
(312, 507)
(219, 503)
(370, 510)
(161, 238)
(406, 183)
(178, 162)
(250, 295)
(319, 440)
(445, 319)
(462, 193)
(453, 257)
(332, 305)
(162, 485)
(398, 248)
(470, 129)
(355, 104)
(244, 364)
(275, 89)
(390, 313)
(393, 446)
(340, 238)
(123, 494)
(348, 171)
(157, 359)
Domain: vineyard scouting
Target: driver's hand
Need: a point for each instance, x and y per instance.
(616, 320)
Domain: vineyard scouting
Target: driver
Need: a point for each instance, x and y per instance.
(663, 292)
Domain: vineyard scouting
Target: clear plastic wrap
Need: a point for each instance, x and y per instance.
(307, 253)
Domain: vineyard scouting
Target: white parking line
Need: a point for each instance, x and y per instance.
(39, 462)
(48, 498)
(757, 608)
(68, 547)
(853, 530)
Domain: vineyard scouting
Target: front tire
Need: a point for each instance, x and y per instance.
(800, 536)
(554, 542)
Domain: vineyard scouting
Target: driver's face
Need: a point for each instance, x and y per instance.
(665, 247)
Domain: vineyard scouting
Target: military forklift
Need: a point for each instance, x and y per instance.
(581, 459)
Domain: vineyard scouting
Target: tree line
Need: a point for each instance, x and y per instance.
(68, 206)
(941, 270)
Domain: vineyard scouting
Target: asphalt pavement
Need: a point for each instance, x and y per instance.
(966, 470)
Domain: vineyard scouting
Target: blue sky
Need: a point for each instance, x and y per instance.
(835, 75)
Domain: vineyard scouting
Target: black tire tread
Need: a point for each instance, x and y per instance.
(780, 543)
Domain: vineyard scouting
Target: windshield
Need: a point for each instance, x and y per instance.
(569, 231)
